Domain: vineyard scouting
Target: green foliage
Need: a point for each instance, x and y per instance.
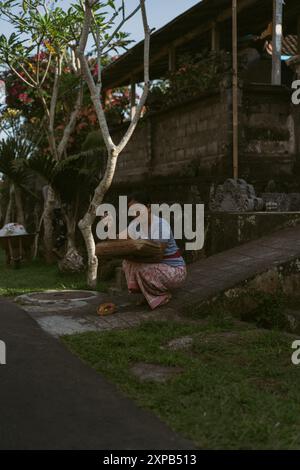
(69, 177)
(37, 25)
(264, 309)
(196, 74)
(269, 311)
(93, 140)
(45, 35)
(54, 27)
(13, 153)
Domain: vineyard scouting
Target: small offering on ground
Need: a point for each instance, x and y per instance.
(107, 309)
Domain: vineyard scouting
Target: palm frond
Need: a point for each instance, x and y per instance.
(43, 165)
(11, 160)
(12, 164)
(69, 176)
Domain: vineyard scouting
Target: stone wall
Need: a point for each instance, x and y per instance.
(226, 230)
(193, 133)
(169, 142)
(268, 144)
(192, 142)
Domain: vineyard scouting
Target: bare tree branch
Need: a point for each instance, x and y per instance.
(47, 69)
(108, 41)
(94, 89)
(71, 124)
(31, 85)
(53, 103)
(38, 61)
(90, 80)
(141, 104)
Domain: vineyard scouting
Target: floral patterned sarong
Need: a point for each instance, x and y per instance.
(155, 281)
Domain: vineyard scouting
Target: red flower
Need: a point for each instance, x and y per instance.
(25, 98)
(41, 56)
(95, 71)
(81, 125)
(14, 91)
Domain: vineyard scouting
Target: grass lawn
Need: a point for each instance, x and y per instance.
(37, 276)
(238, 390)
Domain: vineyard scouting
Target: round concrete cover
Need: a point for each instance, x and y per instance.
(62, 295)
(53, 296)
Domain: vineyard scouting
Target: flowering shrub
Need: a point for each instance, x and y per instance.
(23, 98)
(195, 74)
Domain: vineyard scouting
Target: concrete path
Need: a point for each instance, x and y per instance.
(206, 278)
(50, 400)
(218, 273)
(58, 318)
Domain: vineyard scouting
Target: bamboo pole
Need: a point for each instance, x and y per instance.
(277, 42)
(132, 99)
(235, 147)
(172, 59)
(215, 38)
(298, 34)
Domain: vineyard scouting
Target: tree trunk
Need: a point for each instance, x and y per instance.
(38, 225)
(72, 260)
(86, 223)
(9, 210)
(114, 151)
(70, 219)
(48, 225)
(85, 226)
(20, 218)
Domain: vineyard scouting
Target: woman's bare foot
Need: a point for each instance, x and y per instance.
(166, 301)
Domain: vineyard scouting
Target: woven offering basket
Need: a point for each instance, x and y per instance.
(139, 250)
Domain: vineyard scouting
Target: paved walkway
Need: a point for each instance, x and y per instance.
(50, 400)
(79, 317)
(206, 278)
(216, 274)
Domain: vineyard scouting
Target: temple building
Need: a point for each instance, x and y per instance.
(185, 142)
